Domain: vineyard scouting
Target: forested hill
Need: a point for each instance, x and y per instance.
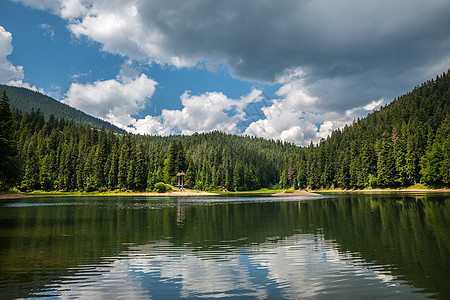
(27, 100)
(61, 155)
(405, 142)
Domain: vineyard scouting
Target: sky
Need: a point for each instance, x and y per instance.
(289, 70)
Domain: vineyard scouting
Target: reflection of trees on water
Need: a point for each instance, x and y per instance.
(180, 213)
(408, 234)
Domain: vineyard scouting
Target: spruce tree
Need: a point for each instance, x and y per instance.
(114, 169)
(9, 161)
(171, 162)
(140, 172)
(386, 162)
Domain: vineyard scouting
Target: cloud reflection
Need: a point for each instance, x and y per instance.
(299, 266)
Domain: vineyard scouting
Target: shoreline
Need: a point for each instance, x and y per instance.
(14, 196)
(295, 193)
(193, 193)
(186, 193)
(386, 191)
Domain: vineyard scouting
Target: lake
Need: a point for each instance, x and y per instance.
(335, 246)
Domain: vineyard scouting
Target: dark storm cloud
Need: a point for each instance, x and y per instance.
(349, 52)
(360, 49)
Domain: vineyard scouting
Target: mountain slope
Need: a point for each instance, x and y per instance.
(404, 143)
(26, 100)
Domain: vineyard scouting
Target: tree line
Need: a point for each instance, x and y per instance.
(404, 143)
(58, 154)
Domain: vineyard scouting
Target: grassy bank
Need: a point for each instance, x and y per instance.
(14, 194)
(174, 192)
(260, 191)
(412, 188)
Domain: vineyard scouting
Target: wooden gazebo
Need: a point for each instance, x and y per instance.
(180, 177)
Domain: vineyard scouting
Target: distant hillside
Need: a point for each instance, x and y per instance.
(60, 155)
(404, 143)
(25, 100)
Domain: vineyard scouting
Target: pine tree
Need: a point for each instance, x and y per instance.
(141, 173)
(130, 174)
(238, 177)
(181, 164)
(443, 136)
(45, 174)
(436, 160)
(431, 163)
(125, 159)
(400, 157)
(368, 162)
(386, 162)
(166, 170)
(227, 183)
(31, 175)
(9, 160)
(191, 174)
(100, 159)
(171, 162)
(114, 169)
(412, 155)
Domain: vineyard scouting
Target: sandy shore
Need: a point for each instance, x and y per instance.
(13, 196)
(295, 193)
(193, 193)
(174, 193)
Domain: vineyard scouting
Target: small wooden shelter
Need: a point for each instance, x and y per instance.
(180, 177)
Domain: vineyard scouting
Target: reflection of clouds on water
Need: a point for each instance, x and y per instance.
(203, 273)
(107, 281)
(307, 265)
(299, 266)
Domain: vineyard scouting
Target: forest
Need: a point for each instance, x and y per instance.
(60, 155)
(404, 143)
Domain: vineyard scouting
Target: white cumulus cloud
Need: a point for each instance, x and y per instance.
(200, 113)
(209, 111)
(8, 72)
(114, 100)
(299, 117)
(117, 100)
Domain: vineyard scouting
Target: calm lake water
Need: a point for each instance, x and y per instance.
(342, 246)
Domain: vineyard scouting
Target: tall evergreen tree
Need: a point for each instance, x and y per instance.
(140, 172)
(30, 179)
(386, 163)
(171, 163)
(9, 160)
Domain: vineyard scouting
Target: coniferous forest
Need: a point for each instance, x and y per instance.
(62, 155)
(404, 143)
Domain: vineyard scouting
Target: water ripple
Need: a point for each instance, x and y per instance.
(301, 266)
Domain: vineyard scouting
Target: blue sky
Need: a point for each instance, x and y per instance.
(290, 70)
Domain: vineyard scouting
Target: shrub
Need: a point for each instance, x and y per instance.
(290, 190)
(161, 187)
